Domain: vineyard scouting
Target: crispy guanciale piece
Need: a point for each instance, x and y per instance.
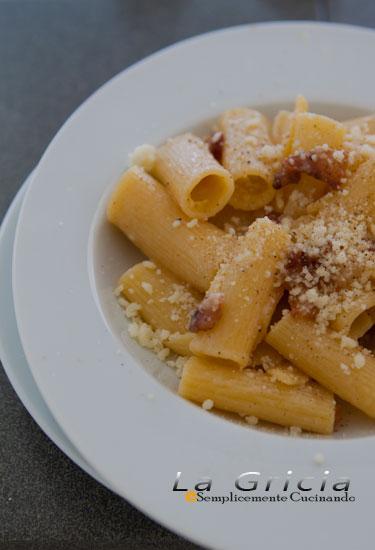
(215, 145)
(323, 163)
(208, 312)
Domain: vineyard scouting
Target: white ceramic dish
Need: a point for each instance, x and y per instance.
(132, 429)
(11, 353)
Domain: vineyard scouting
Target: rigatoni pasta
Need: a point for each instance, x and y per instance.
(143, 209)
(357, 195)
(200, 185)
(252, 393)
(338, 364)
(245, 137)
(357, 318)
(282, 126)
(162, 300)
(361, 126)
(247, 283)
(310, 130)
(292, 130)
(265, 307)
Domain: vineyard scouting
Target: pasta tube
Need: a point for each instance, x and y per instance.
(301, 104)
(143, 209)
(247, 284)
(309, 130)
(356, 321)
(349, 372)
(357, 198)
(281, 126)
(297, 199)
(251, 392)
(276, 366)
(282, 123)
(200, 185)
(245, 134)
(365, 124)
(164, 302)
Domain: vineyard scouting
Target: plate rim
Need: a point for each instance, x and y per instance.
(35, 405)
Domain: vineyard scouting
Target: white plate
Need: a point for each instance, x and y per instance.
(131, 428)
(11, 353)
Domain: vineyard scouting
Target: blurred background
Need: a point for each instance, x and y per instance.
(53, 54)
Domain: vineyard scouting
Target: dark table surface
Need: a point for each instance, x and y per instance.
(53, 54)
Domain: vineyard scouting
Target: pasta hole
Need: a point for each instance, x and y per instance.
(210, 189)
(252, 192)
(362, 324)
(368, 340)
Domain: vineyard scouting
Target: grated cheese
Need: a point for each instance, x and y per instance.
(192, 223)
(252, 420)
(149, 264)
(144, 156)
(345, 369)
(207, 404)
(359, 360)
(319, 459)
(149, 338)
(338, 260)
(347, 342)
(147, 287)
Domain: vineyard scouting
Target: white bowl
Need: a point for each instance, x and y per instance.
(132, 429)
(11, 353)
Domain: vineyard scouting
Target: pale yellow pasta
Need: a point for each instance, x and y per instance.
(365, 124)
(360, 138)
(348, 372)
(356, 197)
(165, 302)
(265, 354)
(282, 123)
(233, 220)
(246, 133)
(301, 104)
(362, 324)
(297, 198)
(357, 320)
(308, 130)
(200, 185)
(272, 318)
(276, 366)
(281, 126)
(179, 343)
(143, 209)
(252, 392)
(302, 130)
(247, 283)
